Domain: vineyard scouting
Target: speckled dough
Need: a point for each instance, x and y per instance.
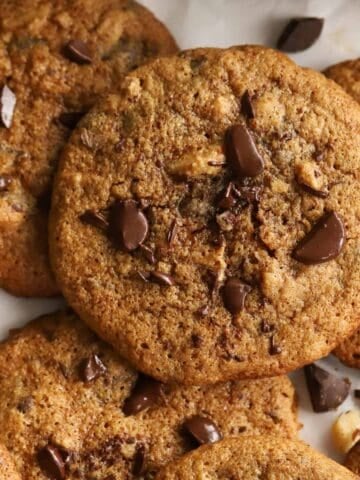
(352, 461)
(250, 458)
(7, 467)
(44, 399)
(120, 35)
(171, 119)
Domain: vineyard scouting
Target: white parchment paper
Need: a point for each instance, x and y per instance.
(223, 23)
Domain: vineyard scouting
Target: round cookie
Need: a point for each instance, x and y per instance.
(69, 404)
(217, 242)
(346, 74)
(56, 58)
(352, 461)
(247, 458)
(7, 468)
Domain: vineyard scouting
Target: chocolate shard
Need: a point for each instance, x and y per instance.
(326, 390)
(92, 368)
(7, 106)
(95, 219)
(247, 107)
(128, 225)
(52, 461)
(242, 153)
(146, 393)
(324, 242)
(234, 294)
(78, 52)
(139, 461)
(202, 429)
(300, 34)
(162, 278)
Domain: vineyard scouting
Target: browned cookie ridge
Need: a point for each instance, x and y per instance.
(250, 458)
(56, 58)
(216, 241)
(70, 407)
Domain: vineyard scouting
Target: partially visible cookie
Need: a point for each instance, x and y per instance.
(68, 403)
(7, 467)
(349, 351)
(352, 461)
(56, 58)
(218, 242)
(250, 458)
(347, 74)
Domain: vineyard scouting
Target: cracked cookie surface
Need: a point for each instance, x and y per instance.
(56, 58)
(205, 231)
(70, 407)
(250, 458)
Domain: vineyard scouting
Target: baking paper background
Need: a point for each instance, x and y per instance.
(223, 23)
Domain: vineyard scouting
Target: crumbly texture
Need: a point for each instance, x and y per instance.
(352, 461)
(249, 458)
(346, 74)
(171, 119)
(44, 399)
(120, 35)
(7, 467)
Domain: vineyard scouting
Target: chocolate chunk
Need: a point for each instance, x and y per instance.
(203, 311)
(52, 462)
(25, 404)
(324, 241)
(241, 152)
(312, 191)
(247, 108)
(7, 104)
(128, 225)
(162, 278)
(145, 394)
(70, 119)
(300, 34)
(234, 294)
(202, 429)
(95, 219)
(172, 232)
(92, 368)
(4, 183)
(139, 461)
(274, 349)
(326, 391)
(148, 254)
(227, 199)
(78, 51)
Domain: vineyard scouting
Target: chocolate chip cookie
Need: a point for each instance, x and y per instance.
(206, 231)
(69, 406)
(7, 467)
(56, 58)
(250, 458)
(352, 461)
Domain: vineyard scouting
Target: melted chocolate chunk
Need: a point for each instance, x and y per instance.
(300, 34)
(324, 241)
(52, 461)
(247, 108)
(148, 254)
(312, 191)
(5, 182)
(326, 391)
(146, 393)
(162, 278)
(95, 219)
(92, 368)
(241, 152)
(234, 295)
(7, 106)
(128, 225)
(202, 429)
(78, 52)
(139, 461)
(70, 119)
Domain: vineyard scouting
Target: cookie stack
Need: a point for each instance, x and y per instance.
(196, 210)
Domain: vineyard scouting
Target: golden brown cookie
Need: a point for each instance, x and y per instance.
(69, 404)
(56, 58)
(217, 241)
(250, 458)
(352, 461)
(347, 74)
(349, 351)
(7, 467)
